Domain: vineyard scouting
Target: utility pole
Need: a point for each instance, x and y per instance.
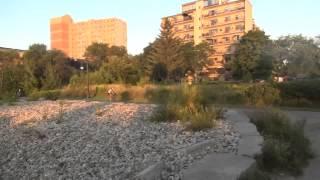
(88, 84)
(88, 89)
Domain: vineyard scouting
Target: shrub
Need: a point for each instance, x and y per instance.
(286, 148)
(254, 173)
(165, 114)
(125, 96)
(51, 95)
(8, 98)
(303, 92)
(187, 104)
(202, 119)
(223, 93)
(157, 95)
(262, 95)
(48, 95)
(77, 92)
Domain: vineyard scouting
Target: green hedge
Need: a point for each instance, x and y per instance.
(300, 93)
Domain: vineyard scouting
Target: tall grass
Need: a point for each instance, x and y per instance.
(286, 149)
(189, 105)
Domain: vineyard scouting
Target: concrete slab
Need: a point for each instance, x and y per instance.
(250, 146)
(229, 166)
(246, 129)
(218, 167)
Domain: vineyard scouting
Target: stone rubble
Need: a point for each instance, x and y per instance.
(97, 140)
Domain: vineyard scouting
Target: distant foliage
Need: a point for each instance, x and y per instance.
(297, 56)
(168, 58)
(46, 69)
(99, 53)
(301, 93)
(252, 59)
(263, 95)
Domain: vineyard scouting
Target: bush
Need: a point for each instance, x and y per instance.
(300, 93)
(125, 96)
(48, 95)
(187, 104)
(262, 95)
(78, 92)
(254, 174)
(286, 149)
(158, 95)
(165, 114)
(202, 119)
(223, 93)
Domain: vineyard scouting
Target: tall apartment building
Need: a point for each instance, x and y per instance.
(221, 23)
(73, 38)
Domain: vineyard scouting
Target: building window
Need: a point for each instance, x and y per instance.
(213, 31)
(187, 17)
(214, 22)
(226, 39)
(227, 29)
(210, 41)
(214, 41)
(239, 27)
(211, 13)
(227, 19)
(236, 37)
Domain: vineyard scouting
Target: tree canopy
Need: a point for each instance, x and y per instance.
(252, 59)
(169, 58)
(297, 56)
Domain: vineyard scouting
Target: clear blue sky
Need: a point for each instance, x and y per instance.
(24, 22)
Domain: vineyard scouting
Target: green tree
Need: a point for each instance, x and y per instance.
(61, 65)
(166, 50)
(196, 56)
(252, 57)
(57, 70)
(159, 72)
(119, 51)
(121, 70)
(35, 65)
(97, 53)
(297, 56)
(46, 69)
(9, 57)
(12, 77)
(50, 80)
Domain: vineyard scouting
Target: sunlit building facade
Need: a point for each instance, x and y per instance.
(221, 23)
(73, 38)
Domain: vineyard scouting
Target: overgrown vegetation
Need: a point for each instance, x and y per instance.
(300, 93)
(253, 173)
(262, 95)
(188, 105)
(286, 149)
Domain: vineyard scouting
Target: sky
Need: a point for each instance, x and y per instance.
(25, 22)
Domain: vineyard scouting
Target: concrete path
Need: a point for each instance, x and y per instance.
(312, 131)
(229, 166)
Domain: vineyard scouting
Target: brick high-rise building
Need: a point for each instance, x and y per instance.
(73, 38)
(221, 23)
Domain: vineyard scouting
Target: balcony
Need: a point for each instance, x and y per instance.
(181, 21)
(224, 12)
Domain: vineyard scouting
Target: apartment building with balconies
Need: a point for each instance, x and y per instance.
(73, 38)
(221, 23)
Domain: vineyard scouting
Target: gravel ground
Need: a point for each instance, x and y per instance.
(94, 140)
